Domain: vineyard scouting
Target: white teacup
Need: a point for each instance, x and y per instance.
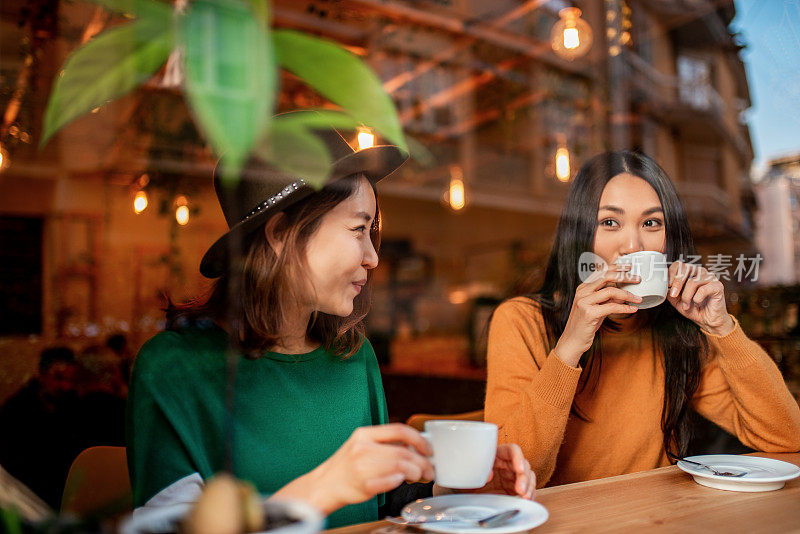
(463, 452)
(653, 269)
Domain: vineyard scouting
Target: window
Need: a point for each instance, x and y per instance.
(21, 274)
(694, 76)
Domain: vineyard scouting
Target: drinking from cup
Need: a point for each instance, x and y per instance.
(463, 452)
(653, 269)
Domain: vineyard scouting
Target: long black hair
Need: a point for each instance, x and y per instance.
(677, 340)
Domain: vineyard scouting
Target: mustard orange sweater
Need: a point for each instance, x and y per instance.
(530, 390)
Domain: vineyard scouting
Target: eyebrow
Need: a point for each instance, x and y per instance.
(649, 211)
(363, 215)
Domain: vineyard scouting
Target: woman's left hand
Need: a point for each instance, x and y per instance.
(511, 473)
(700, 297)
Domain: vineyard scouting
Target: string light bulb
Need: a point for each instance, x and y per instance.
(366, 138)
(562, 164)
(182, 210)
(457, 197)
(620, 26)
(140, 202)
(571, 36)
(182, 215)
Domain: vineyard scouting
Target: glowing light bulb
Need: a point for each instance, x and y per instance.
(182, 215)
(140, 202)
(366, 139)
(562, 164)
(458, 296)
(571, 38)
(458, 195)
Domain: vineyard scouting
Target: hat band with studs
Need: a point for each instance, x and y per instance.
(280, 195)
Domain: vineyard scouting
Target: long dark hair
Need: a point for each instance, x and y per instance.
(676, 340)
(267, 281)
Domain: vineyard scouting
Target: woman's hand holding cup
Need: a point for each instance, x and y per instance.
(595, 299)
(511, 473)
(700, 297)
(373, 460)
(468, 459)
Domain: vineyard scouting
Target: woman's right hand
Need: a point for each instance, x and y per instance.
(595, 299)
(373, 460)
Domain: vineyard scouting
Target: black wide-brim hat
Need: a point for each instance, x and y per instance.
(263, 190)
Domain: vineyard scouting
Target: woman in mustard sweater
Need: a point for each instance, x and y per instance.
(590, 386)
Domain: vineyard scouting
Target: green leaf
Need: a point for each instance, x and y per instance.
(146, 9)
(260, 10)
(230, 76)
(323, 118)
(292, 147)
(105, 68)
(341, 77)
(11, 520)
(320, 118)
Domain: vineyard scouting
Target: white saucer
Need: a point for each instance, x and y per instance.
(761, 474)
(475, 506)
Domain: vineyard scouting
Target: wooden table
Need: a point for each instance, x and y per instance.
(664, 500)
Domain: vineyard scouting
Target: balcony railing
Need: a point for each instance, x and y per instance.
(684, 101)
(700, 96)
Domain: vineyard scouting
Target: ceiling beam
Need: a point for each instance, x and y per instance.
(463, 87)
(478, 119)
(537, 50)
(422, 67)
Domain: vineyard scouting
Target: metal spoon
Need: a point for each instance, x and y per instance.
(716, 472)
(494, 520)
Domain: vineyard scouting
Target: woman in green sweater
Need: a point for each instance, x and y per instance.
(306, 415)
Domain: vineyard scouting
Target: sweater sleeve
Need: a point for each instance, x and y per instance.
(742, 390)
(157, 456)
(529, 390)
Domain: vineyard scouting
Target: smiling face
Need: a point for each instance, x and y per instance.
(340, 253)
(630, 218)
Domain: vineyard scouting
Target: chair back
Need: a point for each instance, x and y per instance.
(418, 419)
(98, 483)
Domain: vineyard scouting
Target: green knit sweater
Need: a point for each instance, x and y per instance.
(291, 413)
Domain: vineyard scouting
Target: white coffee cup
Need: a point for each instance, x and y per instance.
(653, 269)
(463, 452)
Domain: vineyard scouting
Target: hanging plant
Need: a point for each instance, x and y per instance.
(231, 59)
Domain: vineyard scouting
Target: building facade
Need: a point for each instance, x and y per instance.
(778, 223)
(475, 82)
